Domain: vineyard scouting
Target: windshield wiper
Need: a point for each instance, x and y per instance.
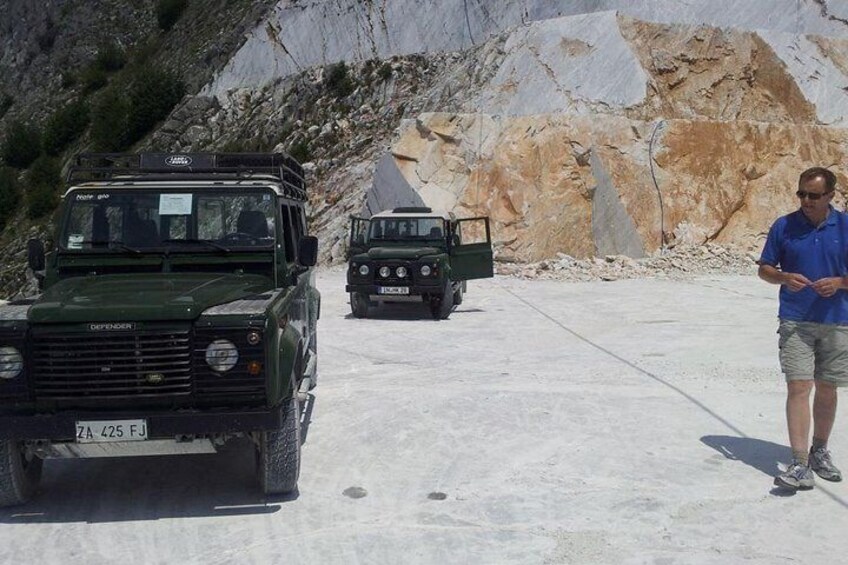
(206, 242)
(126, 247)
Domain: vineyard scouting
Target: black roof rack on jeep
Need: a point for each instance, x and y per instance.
(411, 210)
(191, 166)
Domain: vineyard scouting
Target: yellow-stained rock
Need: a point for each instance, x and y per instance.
(536, 176)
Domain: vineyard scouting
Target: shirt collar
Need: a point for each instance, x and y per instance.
(830, 220)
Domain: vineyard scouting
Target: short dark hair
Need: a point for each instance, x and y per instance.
(815, 172)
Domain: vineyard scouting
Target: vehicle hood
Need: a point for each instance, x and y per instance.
(111, 298)
(408, 253)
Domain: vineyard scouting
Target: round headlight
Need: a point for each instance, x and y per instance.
(363, 270)
(222, 355)
(401, 272)
(425, 270)
(11, 362)
(385, 272)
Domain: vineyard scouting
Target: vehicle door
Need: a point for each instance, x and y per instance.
(358, 236)
(471, 249)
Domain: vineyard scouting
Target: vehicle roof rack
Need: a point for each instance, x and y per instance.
(412, 210)
(279, 167)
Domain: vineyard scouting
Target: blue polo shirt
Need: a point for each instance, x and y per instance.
(795, 245)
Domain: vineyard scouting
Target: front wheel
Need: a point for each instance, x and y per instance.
(441, 305)
(20, 473)
(278, 454)
(359, 304)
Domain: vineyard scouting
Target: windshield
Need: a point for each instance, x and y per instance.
(403, 229)
(136, 219)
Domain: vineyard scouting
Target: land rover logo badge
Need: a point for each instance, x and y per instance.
(155, 378)
(178, 161)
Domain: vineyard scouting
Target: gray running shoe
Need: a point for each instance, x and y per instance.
(796, 477)
(822, 464)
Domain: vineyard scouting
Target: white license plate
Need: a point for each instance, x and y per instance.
(111, 430)
(393, 290)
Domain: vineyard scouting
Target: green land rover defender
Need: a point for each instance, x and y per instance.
(415, 254)
(178, 310)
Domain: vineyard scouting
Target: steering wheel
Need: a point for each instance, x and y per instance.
(237, 237)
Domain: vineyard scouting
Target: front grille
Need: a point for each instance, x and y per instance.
(413, 277)
(144, 364)
(237, 383)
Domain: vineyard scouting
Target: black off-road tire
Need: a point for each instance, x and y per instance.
(19, 474)
(359, 304)
(441, 306)
(278, 454)
(457, 296)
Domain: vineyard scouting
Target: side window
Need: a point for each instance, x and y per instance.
(297, 231)
(298, 224)
(302, 217)
(472, 231)
(288, 234)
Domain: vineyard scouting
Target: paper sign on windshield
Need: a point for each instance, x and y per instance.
(174, 204)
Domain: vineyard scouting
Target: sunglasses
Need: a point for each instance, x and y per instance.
(811, 195)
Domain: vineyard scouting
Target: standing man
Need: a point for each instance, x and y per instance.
(806, 254)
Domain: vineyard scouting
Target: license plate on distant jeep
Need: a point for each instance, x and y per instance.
(97, 431)
(393, 290)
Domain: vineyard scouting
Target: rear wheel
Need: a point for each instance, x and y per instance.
(359, 304)
(20, 473)
(457, 295)
(278, 453)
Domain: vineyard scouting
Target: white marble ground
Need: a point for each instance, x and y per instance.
(637, 421)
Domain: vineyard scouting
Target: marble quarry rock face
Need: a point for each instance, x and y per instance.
(561, 148)
(582, 184)
(299, 34)
(589, 128)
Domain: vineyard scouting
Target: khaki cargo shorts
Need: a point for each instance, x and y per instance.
(812, 350)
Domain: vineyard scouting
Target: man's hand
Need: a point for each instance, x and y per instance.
(827, 286)
(793, 281)
(797, 281)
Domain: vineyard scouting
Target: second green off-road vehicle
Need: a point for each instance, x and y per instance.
(415, 254)
(178, 312)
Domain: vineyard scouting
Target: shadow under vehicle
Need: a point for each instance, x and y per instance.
(178, 310)
(415, 254)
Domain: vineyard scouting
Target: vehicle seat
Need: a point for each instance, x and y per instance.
(252, 222)
(99, 227)
(141, 232)
(436, 232)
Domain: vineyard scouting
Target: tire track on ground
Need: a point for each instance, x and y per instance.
(703, 407)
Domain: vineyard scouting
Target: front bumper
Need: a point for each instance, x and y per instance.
(414, 289)
(62, 426)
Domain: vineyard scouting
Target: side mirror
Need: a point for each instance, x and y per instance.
(307, 251)
(35, 255)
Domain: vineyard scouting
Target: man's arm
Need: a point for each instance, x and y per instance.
(793, 281)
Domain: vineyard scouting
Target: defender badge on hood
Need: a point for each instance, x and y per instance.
(111, 327)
